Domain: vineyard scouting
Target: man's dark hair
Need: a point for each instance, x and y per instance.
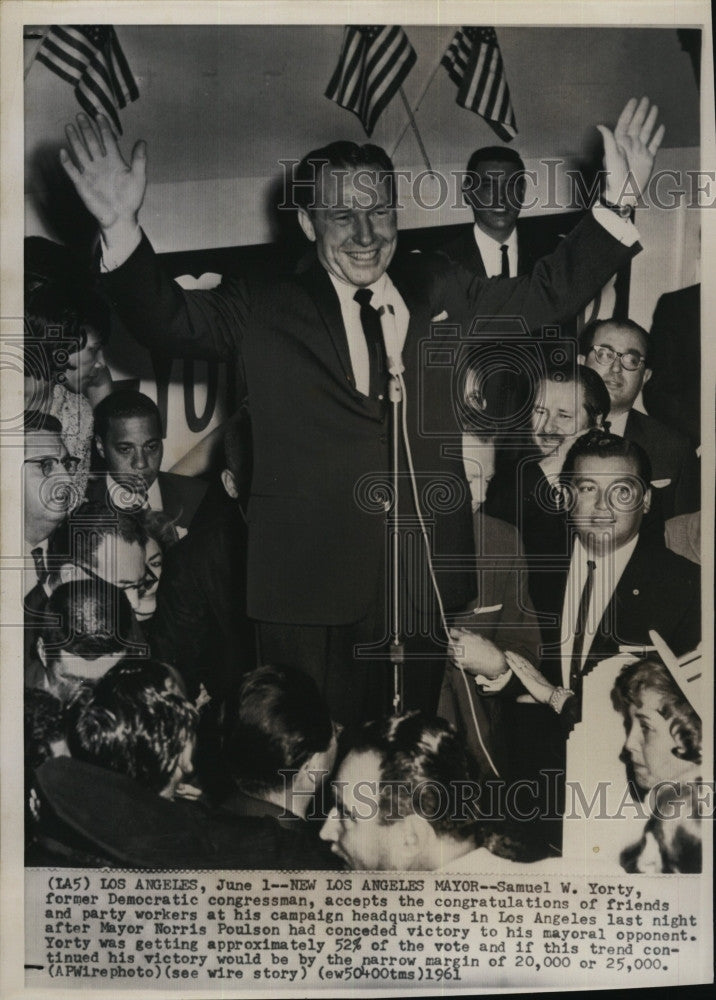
(79, 537)
(341, 155)
(650, 674)
(596, 399)
(58, 318)
(423, 770)
(591, 330)
(595, 444)
(91, 619)
(132, 721)
(500, 154)
(160, 527)
(37, 421)
(121, 404)
(279, 721)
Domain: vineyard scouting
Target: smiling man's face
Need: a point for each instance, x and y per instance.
(610, 502)
(354, 229)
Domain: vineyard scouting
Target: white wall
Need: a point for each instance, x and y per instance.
(220, 106)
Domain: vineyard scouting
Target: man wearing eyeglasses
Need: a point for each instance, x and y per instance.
(47, 480)
(103, 545)
(89, 628)
(619, 352)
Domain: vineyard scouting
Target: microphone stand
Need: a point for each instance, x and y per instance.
(397, 647)
(395, 396)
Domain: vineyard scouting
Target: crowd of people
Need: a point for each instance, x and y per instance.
(210, 678)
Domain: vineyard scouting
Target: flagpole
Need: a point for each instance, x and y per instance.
(35, 51)
(413, 125)
(416, 108)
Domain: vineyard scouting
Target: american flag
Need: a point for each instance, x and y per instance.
(374, 62)
(474, 64)
(89, 56)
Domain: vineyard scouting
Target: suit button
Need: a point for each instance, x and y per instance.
(383, 438)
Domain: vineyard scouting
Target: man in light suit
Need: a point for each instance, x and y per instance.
(619, 352)
(310, 353)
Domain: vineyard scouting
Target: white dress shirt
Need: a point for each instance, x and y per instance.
(618, 422)
(492, 254)
(395, 324)
(607, 574)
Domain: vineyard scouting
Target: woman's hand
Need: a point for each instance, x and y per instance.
(540, 688)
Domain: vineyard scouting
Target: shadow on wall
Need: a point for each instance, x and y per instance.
(56, 201)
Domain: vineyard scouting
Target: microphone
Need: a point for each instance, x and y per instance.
(390, 341)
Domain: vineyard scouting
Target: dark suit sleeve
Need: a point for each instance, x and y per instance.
(179, 633)
(170, 321)
(557, 287)
(672, 392)
(687, 494)
(685, 633)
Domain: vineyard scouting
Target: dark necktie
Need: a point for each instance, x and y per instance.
(505, 272)
(373, 333)
(40, 567)
(575, 668)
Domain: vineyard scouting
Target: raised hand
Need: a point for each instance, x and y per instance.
(111, 188)
(629, 151)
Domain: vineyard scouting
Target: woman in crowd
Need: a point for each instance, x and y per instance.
(162, 533)
(66, 328)
(663, 741)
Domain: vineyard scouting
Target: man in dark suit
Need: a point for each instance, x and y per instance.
(128, 438)
(644, 585)
(89, 628)
(311, 357)
(48, 494)
(495, 246)
(617, 584)
(280, 747)
(619, 351)
(200, 624)
(494, 188)
(673, 393)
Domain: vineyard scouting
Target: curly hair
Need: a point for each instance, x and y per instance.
(58, 319)
(133, 721)
(650, 674)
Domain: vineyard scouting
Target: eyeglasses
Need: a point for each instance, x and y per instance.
(50, 464)
(147, 580)
(631, 361)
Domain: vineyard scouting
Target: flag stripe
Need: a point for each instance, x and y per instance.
(91, 59)
(41, 57)
(125, 78)
(373, 63)
(474, 63)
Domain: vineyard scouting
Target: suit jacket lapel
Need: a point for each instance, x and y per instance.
(471, 256)
(631, 428)
(624, 606)
(319, 287)
(525, 260)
